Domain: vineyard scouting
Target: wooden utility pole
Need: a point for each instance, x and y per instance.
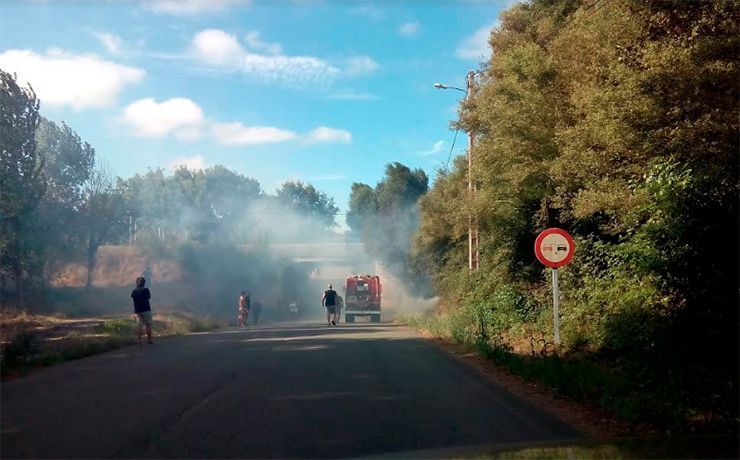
(473, 247)
(473, 250)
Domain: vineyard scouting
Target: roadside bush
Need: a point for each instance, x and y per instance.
(23, 348)
(517, 304)
(122, 326)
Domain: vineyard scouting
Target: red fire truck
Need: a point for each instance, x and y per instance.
(362, 297)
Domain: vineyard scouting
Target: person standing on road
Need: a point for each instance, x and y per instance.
(243, 309)
(142, 309)
(338, 307)
(329, 301)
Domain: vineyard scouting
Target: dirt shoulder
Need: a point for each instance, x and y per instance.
(29, 341)
(585, 417)
(49, 327)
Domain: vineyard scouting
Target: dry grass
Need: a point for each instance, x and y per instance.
(117, 266)
(13, 323)
(30, 340)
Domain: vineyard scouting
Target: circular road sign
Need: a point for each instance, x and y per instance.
(554, 247)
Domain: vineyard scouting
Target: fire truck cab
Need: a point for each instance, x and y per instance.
(362, 297)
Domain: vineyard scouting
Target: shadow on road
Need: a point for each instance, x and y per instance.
(293, 390)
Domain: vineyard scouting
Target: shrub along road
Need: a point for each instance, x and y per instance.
(289, 390)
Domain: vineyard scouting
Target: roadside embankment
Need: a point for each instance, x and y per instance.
(31, 340)
(610, 397)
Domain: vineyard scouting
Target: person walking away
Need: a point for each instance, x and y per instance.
(142, 309)
(339, 306)
(257, 310)
(329, 301)
(243, 309)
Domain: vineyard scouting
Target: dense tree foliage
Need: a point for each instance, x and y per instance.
(362, 206)
(68, 163)
(306, 200)
(202, 205)
(102, 213)
(386, 217)
(21, 182)
(618, 121)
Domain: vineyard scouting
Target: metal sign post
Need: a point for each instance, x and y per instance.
(556, 305)
(554, 248)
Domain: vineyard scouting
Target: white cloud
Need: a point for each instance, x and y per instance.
(194, 163)
(409, 29)
(254, 42)
(112, 43)
(238, 134)
(219, 49)
(178, 116)
(184, 119)
(291, 70)
(192, 7)
(62, 78)
(436, 148)
(476, 46)
(325, 134)
(360, 65)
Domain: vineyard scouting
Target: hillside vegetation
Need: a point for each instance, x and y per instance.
(617, 121)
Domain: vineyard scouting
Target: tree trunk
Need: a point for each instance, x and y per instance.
(91, 249)
(18, 266)
(18, 274)
(3, 302)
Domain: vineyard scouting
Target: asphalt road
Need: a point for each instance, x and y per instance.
(290, 390)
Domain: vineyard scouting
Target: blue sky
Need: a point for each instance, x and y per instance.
(322, 91)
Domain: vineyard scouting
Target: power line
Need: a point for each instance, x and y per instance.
(452, 147)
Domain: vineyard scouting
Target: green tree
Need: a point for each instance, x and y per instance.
(362, 206)
(617, 121)
(400, 188)
(387, 216)
(195, 205)
(21, 180)
(308, 201)
(150, 204)
(440, 244)
(102, 211)
(229, 197)
(68, 162)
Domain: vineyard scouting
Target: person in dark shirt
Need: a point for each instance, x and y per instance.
(329, 300)
(142, 309)
(339, 306)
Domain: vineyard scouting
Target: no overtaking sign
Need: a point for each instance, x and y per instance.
(554, 248)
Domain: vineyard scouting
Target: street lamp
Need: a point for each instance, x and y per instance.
(473, 247)
(441, 86)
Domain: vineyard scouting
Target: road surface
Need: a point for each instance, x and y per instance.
(289, 390)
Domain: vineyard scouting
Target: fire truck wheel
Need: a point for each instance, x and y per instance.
(375, 318)
(349, 318)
